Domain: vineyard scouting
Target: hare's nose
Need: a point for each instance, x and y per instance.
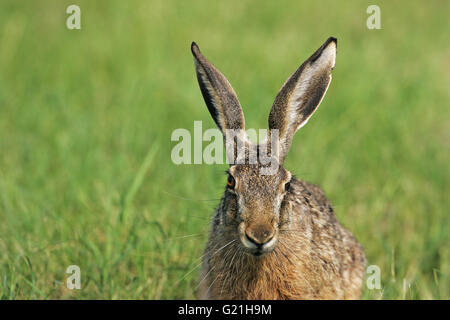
(259, 235)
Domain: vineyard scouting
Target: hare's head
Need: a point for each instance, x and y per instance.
(253, 208)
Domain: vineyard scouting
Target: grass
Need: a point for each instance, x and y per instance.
(86, 118)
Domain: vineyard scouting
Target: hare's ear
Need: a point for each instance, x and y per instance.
(301, 95)
(219, 96)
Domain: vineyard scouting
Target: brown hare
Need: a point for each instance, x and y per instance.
(274, 236)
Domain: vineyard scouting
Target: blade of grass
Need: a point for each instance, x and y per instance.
(137, 182)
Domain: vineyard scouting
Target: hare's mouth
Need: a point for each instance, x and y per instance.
(258, 249)
(260, 252)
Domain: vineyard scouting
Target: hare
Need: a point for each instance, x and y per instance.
(274, 236)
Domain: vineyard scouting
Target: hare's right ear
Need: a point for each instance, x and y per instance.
(301, 95)
(220, 98)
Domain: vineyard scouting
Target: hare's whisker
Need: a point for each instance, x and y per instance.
(195, 261)
(176, 283)
(188, 199)
(204, 277)
(187, 236)
(209, 288)
(230, 251)
(207, 251)
(223, 247)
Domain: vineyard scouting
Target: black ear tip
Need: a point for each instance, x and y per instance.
(194, 48)
(331, 39)
(319, 51)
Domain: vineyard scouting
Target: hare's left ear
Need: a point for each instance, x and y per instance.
(219, 96)
(223, 105)
(301, 95)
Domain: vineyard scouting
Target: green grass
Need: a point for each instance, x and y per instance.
(86, 117)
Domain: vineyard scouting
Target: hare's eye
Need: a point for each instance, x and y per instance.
(231, 182)
(287, 186)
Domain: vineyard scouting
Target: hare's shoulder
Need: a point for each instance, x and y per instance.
(311, 196)
(310, 201)
(325, 228)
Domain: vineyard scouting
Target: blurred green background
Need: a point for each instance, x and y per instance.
(86, 118)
